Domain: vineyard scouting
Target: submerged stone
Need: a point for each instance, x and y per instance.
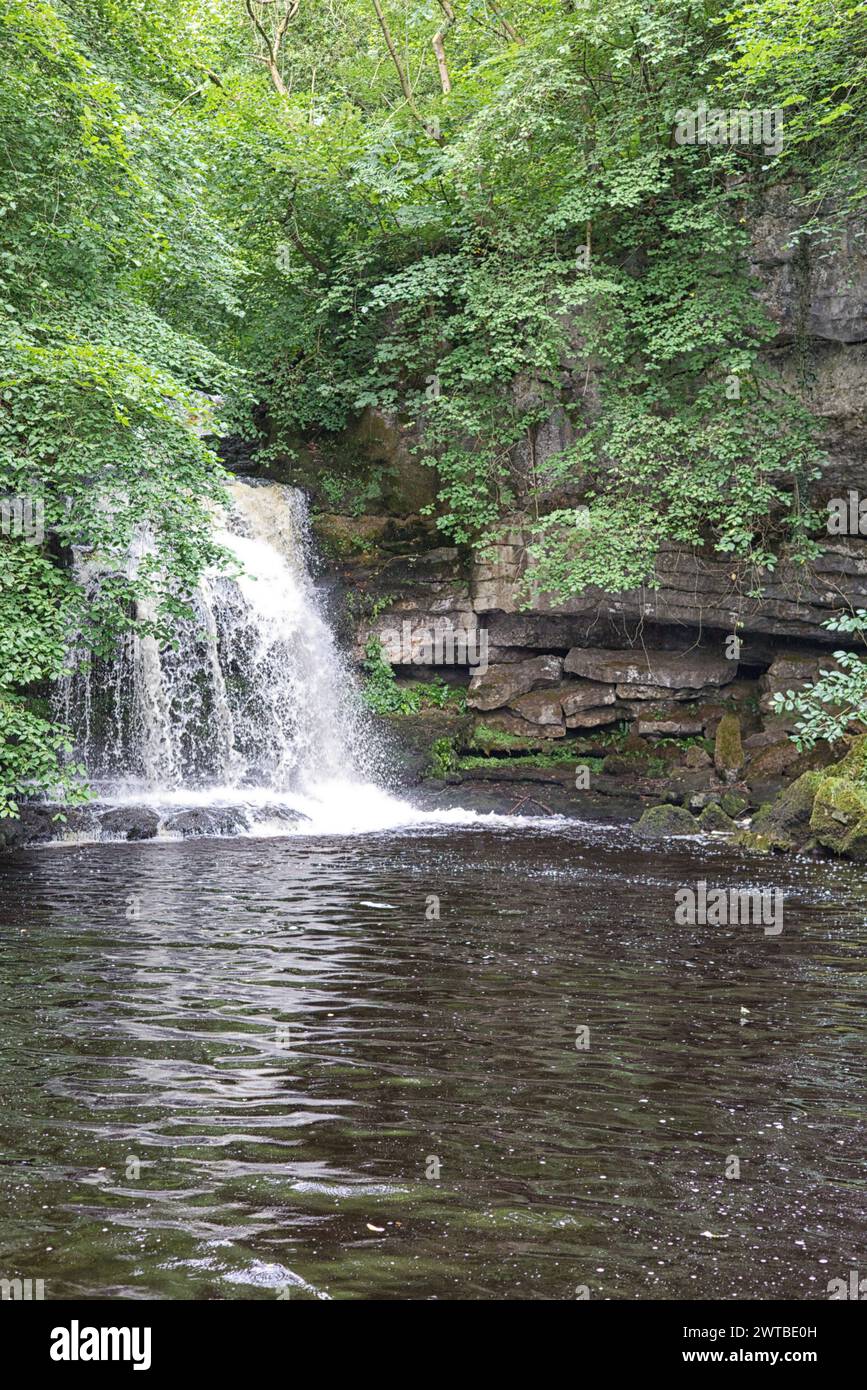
(130, 823)
(200, 820)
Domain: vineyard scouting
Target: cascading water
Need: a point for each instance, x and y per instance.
(252, 707)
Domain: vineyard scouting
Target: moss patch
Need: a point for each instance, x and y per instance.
(728, 752)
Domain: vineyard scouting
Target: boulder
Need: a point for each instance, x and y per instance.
(713, 818)
(792, 670)
(205, 820)
(500, 684)
(622, 765)
(663, 821)
(728, 753)
(854, 762)
(772, 761)
(668, 670)
(696, 757)
(130, 823)
(762, 738)
(785, 822)
(733, 803)
(37, 822)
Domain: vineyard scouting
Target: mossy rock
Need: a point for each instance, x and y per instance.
(764, 813)
(667, 820)
(489, 740)
(854, 765)
(760, 844)
(713, 817)
(856, 843)
(728, 751)
(417, 743)
(733, 803)
(839, 817)
(788, 818)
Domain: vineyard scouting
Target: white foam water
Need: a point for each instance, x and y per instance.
(253, 711)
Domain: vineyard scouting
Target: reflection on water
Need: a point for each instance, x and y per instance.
(233, 1069)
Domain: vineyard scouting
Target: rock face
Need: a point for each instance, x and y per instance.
(793, 669)
(588, 695)
(540, 706)
(696, 591)
(651, 671)
(680, 726)
(817, 298)
(501, 684)
(592, 718)
(516, 734)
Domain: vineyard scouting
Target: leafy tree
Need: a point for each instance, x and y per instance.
(109, 264)
(836, 704)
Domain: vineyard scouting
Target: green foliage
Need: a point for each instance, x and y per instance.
(439, 275)
(384, 696)
(835, 704)
(111, 268)
(809, 57)
(443, 758)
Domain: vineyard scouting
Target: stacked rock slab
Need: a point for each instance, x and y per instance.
(593, 687)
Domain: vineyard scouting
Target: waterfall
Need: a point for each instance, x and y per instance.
(253, 703)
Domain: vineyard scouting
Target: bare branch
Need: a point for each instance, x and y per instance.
(439, 46)
(272, 45)
(509, 29)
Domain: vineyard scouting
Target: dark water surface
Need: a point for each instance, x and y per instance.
(282, 1044)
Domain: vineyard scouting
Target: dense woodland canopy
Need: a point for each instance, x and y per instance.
(216, 212)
